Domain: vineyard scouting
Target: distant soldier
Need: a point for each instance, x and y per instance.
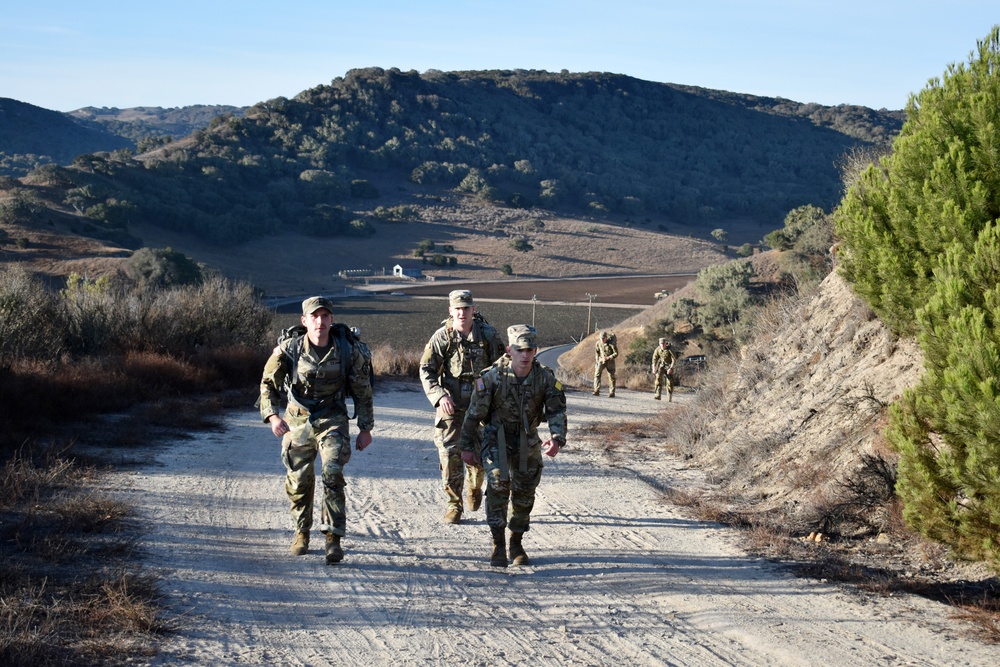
(604, 359)
(315, 371)
(452, 359)
(663, 370)
(511, 398)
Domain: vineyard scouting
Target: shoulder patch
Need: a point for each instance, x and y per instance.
(559, 385)
(480, 385)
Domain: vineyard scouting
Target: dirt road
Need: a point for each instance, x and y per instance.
(619, 577)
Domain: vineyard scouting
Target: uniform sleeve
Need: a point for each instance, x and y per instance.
(275, 371)
(497, 346)
(614, 350)
(479, 408)
(361, 386)
(555, 408)
(431, 366)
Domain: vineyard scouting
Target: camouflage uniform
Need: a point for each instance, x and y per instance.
(511, 410)
(604, 358)
(318, 418)
(663, 369)
(448, 367)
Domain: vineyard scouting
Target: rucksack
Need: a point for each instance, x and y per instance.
(347, 339)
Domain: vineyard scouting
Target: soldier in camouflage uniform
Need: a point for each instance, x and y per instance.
(605, 352)
(510, 399)
(663, 370)
(452, 359)
(316, 420)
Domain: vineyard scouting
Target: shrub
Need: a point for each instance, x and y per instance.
(520, 244)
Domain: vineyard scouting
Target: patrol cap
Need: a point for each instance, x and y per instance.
(460, 298)
(604, 334)
(314, 303)
(522, 337)
(662, 341)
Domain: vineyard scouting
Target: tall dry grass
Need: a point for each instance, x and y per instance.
(72, 590)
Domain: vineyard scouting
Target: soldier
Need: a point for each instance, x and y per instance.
(663, 368)
(311, 369)
(604, 358)
(511, 398)
(452, 359)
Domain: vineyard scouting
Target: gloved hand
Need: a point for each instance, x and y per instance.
(470, 458)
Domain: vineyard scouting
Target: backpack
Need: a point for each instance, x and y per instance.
(347, 340)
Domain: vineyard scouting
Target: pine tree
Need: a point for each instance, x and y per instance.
(921, 243)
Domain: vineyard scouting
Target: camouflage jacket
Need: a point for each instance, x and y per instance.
(499, 400)
(601, 350)
(451, 362)
(318, 390)
(663, 358)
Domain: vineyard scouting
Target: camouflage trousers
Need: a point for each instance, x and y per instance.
(455, 474)
(599, 368)
(299, 448)
(661, 379)
(518, 491)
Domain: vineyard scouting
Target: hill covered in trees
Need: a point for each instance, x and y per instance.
(333, 158)
(31, 136)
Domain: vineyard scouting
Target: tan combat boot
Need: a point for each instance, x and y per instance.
(453, 515)
(517, 555)
(300, 544)
(334, 554)
(499, 556)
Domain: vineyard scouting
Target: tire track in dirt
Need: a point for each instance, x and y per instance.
(618, 575)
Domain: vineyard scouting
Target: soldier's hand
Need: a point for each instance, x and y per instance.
(470, 458)
(550, 447)
(279, 426)
(446, 405)
(363, 440)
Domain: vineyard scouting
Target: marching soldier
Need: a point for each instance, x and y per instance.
(509, 401)
(605, 352)
(452, 359)
(663, 370)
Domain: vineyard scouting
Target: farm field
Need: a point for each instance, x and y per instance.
(637, 290)
(406, 323)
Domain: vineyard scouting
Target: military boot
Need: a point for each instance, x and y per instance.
(517, 555)
(334, 554)
(499, 556)
(453, 515)
(300, 544)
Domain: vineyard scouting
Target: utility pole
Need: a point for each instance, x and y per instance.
(533, 300)
(590, 305)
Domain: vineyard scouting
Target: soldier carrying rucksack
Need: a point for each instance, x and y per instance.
(316, 370)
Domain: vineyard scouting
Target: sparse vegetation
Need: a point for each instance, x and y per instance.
(71, 358)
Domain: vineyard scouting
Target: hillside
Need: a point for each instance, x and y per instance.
(383, 145)
(31, 135)
(136, 123)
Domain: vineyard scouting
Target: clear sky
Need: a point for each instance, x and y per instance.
(67, 54)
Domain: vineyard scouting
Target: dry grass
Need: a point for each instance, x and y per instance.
(71, 591)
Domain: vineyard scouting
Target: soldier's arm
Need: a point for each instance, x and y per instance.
(479, 407)
(431, 365)
(273, 379)
(555, 410)
(361, 386)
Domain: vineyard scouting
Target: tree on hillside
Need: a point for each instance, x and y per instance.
(922, 245)
(940, 186)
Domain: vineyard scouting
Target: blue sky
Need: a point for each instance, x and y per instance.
(65, 55)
